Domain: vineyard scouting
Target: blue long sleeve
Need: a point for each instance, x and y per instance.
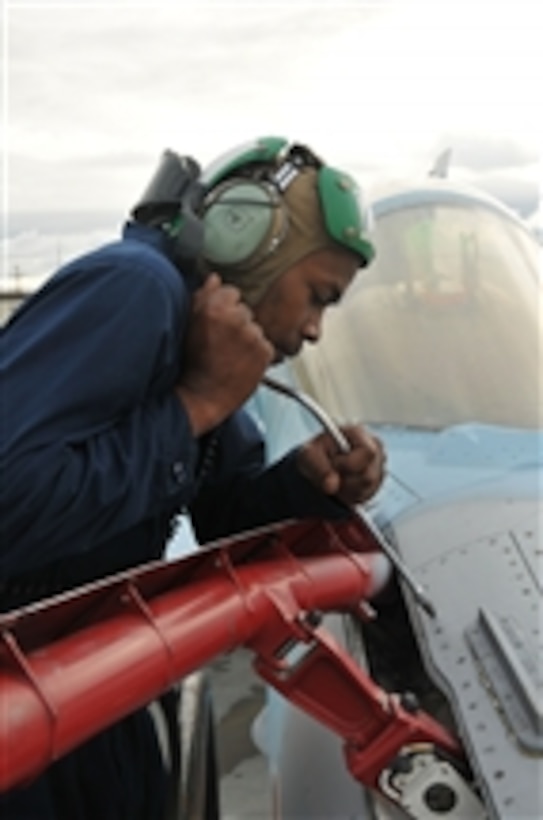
(93, 437)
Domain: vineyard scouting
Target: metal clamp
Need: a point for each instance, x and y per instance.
(428, 786)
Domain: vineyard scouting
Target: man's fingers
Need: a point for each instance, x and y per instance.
(354, 476)
(362, 442)
(363, 469)
(314, 462)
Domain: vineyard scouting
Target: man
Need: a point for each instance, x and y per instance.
(123, 384)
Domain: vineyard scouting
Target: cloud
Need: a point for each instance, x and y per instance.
(96, 92)
(484, 153)
(31, 254)
(503, 167)
(61, 223)
(522, 196)
(96, 78)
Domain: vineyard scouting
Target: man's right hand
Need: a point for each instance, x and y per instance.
(226, 355)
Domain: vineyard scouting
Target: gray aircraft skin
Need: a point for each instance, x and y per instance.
(437, 349)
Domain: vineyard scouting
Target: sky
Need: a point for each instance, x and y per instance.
(92, 93)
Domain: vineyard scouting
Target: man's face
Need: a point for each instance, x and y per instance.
(291, 310)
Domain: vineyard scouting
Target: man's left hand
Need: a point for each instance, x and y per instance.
(352, 477)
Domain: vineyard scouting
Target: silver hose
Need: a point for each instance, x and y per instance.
(343, 445)
(318, 412)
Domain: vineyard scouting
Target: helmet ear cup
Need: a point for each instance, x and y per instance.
(244, 220)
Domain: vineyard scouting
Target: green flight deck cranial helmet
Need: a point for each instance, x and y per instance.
(244, 216)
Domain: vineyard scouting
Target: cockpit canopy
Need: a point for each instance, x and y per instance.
(444, 326)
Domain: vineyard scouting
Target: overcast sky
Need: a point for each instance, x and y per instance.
(93, 92)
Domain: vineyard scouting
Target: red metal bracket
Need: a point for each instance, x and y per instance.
(318, 675)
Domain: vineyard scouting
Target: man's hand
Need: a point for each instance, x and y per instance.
(352, 477)
(226, 355)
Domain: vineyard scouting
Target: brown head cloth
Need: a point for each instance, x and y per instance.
(306, 233)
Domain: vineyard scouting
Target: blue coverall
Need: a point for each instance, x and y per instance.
(97, 458)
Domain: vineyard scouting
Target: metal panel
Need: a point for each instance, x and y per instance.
(509, 664)
(468, 570)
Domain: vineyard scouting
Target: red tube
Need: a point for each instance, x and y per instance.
(76, 664)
